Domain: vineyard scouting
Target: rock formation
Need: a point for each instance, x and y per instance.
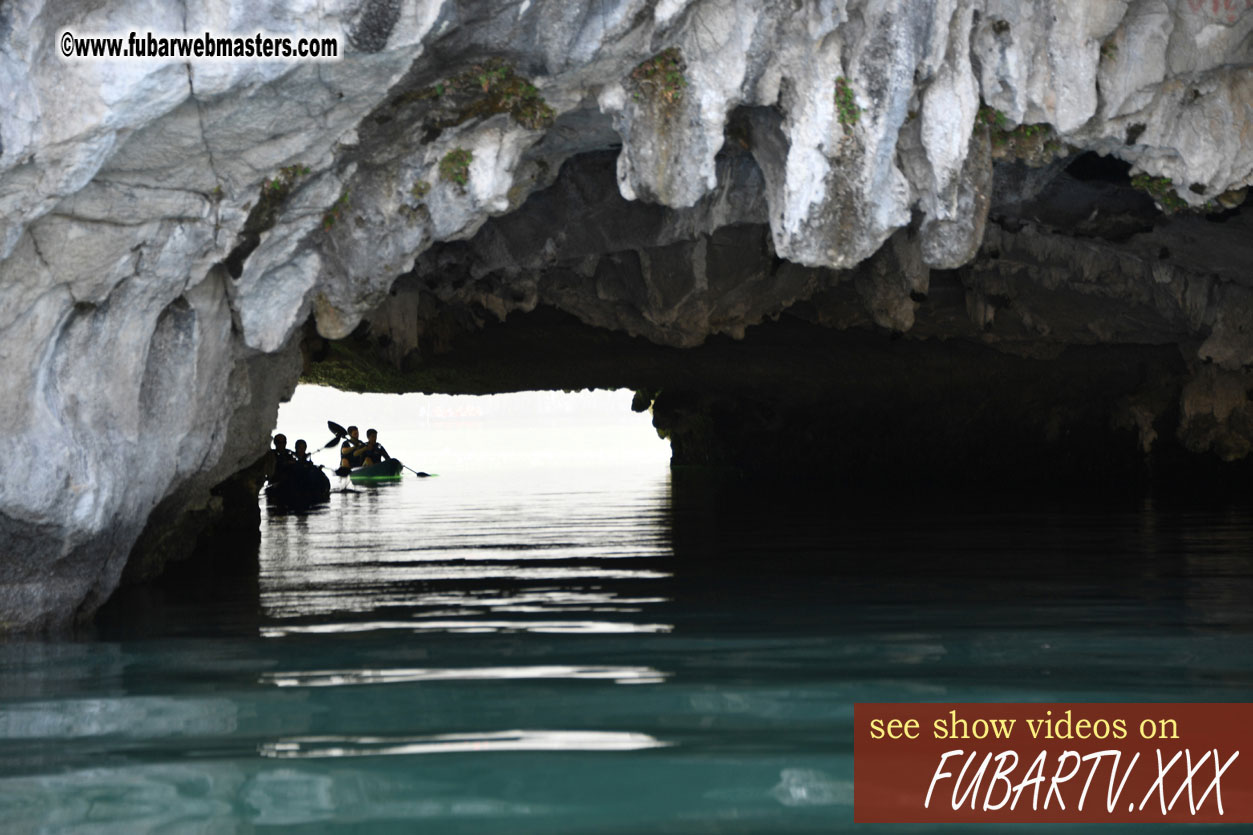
(694, 168)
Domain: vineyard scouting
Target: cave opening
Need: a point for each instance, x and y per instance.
(491, 538)
(1105, 168)
(501, 476)
(531, 431)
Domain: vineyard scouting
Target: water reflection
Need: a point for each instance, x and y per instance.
(458, 554)
(479, 743)
(336, 678)
(807, 787)
(472, 626)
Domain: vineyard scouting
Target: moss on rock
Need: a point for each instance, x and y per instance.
(493, 86)
(660, 79)
(455, 167)
(846, 103)
(1035, 144)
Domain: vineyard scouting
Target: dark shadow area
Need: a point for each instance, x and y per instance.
(798, 405)
(192, 598)
(1093, 167)
(210, 588)
(1091, 197)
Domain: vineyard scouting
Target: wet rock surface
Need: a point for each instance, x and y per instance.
(167, 229)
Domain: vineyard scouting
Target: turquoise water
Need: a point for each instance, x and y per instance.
(598, 651)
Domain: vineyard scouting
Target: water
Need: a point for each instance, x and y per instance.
(525, 645)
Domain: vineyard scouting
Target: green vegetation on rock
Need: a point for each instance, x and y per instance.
(455, 166)
(349, 365)
(507, 92)
(846, 103)
(491, 87)
(1162, 190)
(335, 212)
(991, 117)
(274, 193)
(287, 176)
(1034, 144)
(660, 78)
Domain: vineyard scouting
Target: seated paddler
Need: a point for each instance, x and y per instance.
(278, 458)
(372, 452)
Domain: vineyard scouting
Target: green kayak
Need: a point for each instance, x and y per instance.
(390, 470)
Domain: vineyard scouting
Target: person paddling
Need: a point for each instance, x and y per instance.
(354, 439)
(372, 452)
(345, 457)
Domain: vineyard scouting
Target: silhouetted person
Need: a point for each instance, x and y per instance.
(278, 458)
(356, 445)
(373, 452)
(345, 458)
(302, 452)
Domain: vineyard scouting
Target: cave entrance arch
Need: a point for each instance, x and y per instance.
(1072, 350)
(522, 431)
(548, 509)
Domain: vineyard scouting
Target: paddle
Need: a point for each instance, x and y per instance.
(339, 433)
(415, 472)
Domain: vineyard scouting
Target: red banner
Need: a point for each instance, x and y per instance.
(985, 763)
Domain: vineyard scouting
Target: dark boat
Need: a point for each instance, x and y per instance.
(298, 485)
(389, 470)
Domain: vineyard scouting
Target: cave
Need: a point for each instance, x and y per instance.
(1014, 377)
(883, 253)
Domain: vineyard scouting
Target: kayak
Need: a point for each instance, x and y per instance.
(298, 485)
(389, 470)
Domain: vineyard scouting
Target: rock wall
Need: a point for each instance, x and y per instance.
(167, 225)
